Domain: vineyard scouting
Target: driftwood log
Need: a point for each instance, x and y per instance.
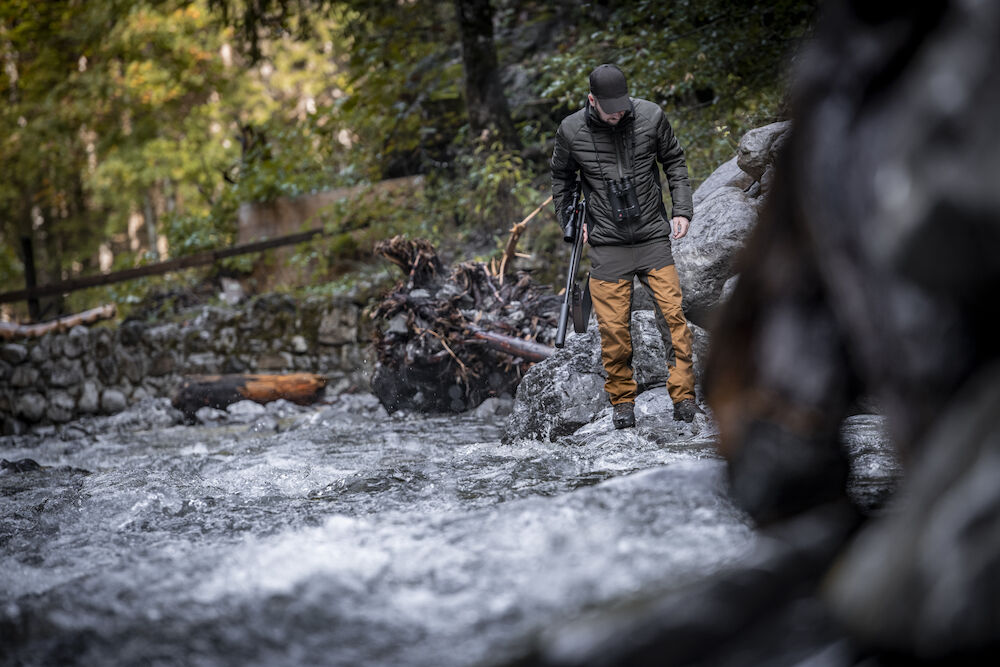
(9, 330)
(218, 391)
(445, 343)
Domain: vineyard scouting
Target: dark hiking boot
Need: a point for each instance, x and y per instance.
(684, 411)
(624, 416)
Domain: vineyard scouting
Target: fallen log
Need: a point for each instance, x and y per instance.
(10, 330)
(218, 391)
(517, 347)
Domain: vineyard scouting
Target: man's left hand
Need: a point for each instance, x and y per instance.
(680, 225)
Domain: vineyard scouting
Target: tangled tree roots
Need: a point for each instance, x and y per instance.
(447, 344)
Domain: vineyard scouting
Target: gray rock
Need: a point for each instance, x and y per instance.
(14, 353)
(30, 406)
(65, 372)
(41, 351)
(704, 257)
(566, 391)
(299, 345)
(493, 407)
(131, 333)
(758, 146)
(90, 398)
(139, 394)
(203, 362)
(264, 424)
(275, 361)
(147, 414)
(6, 370)
(245, 410)
(24, 376)
(132, 364)
(61, 408)
(207, 415)
(339, 325)
(76, 342)
(56, 343)
(13, 426)
(162, 363)
(226, 340)
(728, 175)
(112, 401)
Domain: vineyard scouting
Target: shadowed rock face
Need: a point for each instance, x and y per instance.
(886, 216)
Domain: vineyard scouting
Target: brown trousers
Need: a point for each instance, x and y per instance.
(613, 307)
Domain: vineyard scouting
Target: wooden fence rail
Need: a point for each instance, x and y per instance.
(198, 259)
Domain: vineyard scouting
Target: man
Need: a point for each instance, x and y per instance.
(613, 144)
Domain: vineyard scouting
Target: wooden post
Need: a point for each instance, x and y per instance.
(30, 277)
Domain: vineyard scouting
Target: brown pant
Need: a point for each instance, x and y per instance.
(613, 307)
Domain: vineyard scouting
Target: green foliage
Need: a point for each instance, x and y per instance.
(118, 107)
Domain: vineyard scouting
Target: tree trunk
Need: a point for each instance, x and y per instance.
(484, 97)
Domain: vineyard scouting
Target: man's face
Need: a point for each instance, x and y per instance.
(609, 118)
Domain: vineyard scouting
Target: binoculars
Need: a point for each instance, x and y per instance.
(624, 204)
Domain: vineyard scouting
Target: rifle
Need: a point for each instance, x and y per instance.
(575, 300)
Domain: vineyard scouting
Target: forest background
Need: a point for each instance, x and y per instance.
(132, 130)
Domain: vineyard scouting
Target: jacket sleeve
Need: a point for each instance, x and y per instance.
(564, 171)
(671, 156)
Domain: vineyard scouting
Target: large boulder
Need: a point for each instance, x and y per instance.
(565, 392)
(726, 207)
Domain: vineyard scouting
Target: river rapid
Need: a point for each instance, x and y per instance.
(340, 535)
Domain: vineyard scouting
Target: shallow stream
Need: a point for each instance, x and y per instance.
(338, 535)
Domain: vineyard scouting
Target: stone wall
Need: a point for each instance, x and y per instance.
(102, 370)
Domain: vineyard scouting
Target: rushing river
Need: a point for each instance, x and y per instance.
(337, 535)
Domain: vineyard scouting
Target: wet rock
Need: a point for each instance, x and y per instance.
(113, 401)
(61, 407)
(493, 407)
(30, 406)
(264, 424)
(566, 391)
(242, 411)
(209, 415)
(147, 414)
(13, 353)
(20, 465)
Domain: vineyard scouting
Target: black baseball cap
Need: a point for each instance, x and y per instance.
(607, 84)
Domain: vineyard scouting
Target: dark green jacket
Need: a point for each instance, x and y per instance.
(632, 148)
